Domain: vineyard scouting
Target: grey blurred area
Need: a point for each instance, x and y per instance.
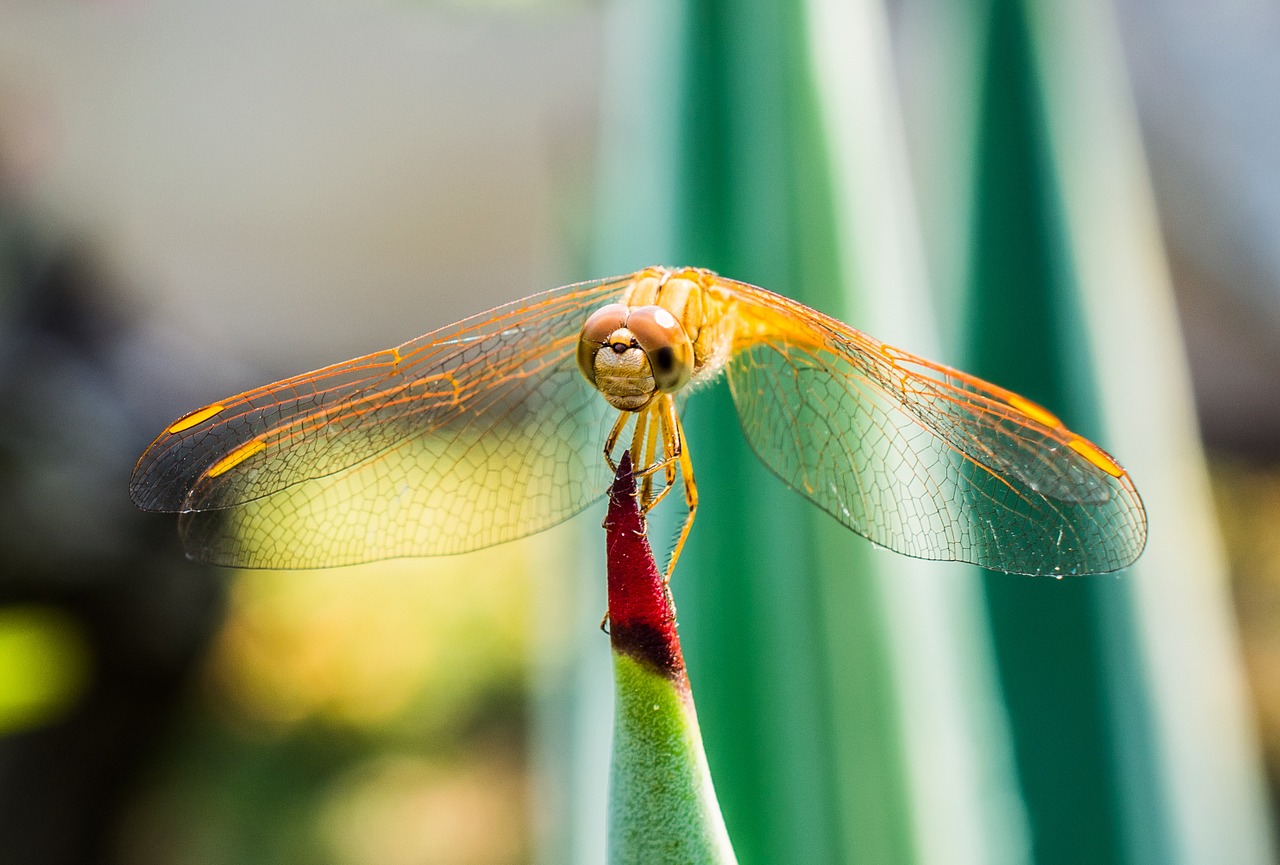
(1206, 77)
(295, 183)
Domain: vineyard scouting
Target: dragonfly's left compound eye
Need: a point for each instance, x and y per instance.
(666, 344)
(600, 325)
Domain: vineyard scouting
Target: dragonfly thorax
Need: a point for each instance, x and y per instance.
(631, 354)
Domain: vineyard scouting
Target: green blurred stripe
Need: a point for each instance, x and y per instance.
(1065, 650)
(1210, 806)
(799, 718)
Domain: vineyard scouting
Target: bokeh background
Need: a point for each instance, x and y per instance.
(1080, 200)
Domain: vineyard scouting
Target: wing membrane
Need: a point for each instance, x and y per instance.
(471, 435)
(921, 458)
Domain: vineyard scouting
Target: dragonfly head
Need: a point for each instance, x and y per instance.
(630, 354)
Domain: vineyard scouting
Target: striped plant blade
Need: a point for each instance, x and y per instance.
(877, 662)
(1023, 317)
(846, 704)
(799, 709)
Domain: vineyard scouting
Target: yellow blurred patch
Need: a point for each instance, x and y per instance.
(44, 662)
(362, 646)
(406, 810)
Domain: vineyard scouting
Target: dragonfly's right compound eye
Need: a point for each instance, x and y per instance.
(667, 345)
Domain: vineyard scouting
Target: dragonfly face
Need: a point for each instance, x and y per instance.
(491, 429)
(631, 355)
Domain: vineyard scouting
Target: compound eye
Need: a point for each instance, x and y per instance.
(599, 327)
(665, 343)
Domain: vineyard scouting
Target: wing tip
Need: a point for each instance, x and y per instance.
(148, 492)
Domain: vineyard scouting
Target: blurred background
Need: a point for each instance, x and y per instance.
(1080, 200)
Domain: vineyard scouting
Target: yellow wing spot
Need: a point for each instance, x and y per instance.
(1095, 455)
(187, 421)
(1035, 412)
(236, 457)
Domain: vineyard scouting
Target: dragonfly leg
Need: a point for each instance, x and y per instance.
(666, 428)
(611, 442)
(669, 478)
(690, 496)
(664, 413)
(652, 434)
(639, 440)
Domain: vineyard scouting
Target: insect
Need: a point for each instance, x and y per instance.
(492, 428)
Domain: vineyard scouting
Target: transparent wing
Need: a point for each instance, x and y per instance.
(921, 458)
(474, 434)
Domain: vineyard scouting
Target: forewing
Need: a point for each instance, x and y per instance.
(471, 435)
(921, 458)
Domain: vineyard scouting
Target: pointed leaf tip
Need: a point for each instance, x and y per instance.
(662, 804)
(624, 480)
(642, 618)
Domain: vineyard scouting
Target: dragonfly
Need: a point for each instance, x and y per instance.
(509, 422)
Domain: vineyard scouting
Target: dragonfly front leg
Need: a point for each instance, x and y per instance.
(640, 441)
(657, 423)
(614, 434)
(643, 439)
(671, 448)
(650, 450)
